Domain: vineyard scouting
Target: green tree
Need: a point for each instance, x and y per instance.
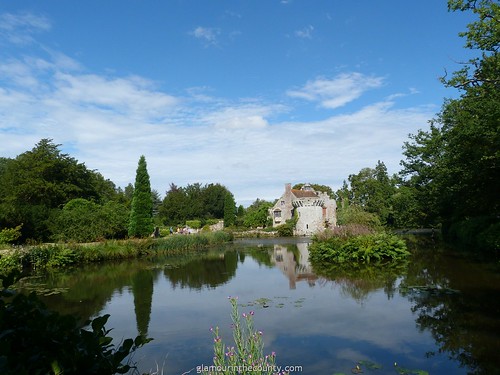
(257, 214)
(141, 214)
(213, 201)
(229, 210)
(38, 182)
(173, 208)
(193, 202)
(454, 167)
(371, 190)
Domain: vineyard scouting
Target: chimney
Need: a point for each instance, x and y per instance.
(288, 188)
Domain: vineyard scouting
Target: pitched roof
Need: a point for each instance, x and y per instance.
(304, 193)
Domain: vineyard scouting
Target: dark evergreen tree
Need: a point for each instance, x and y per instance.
(141, 214)
(229, 210)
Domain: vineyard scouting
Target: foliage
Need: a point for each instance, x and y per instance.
(452, 168)
(141, 213)
(35, 340)
(193, 202)
(317, 187)
(55, 256)
(478, 233)
(371, 190)
(482, 35)
(257, 214)
(195, 224)
(229, 210)
(81, 220)
(8, 235)
(352, 214)
(247, 354)
(287, 229)
(37, 183)
(346, 248)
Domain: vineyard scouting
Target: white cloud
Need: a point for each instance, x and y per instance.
(19, 28)
(338, 91)
(305, 33)
(131, 96)
(208, 35)
(109, 121)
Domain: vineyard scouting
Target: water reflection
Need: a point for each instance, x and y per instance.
(293, 261)
(460, 307)
(327, 319)
(142, 288)
(209, 270)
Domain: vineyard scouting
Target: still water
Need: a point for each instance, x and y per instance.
(439, 313)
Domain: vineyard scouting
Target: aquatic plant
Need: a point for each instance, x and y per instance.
(62, 255)
(364, 248)
(247, 354)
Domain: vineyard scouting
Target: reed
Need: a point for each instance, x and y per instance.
(68, 254)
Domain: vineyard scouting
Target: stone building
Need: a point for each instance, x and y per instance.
(314, 210)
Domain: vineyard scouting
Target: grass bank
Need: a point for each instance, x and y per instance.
(50, 256)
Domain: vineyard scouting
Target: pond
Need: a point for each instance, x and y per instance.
(439, 313)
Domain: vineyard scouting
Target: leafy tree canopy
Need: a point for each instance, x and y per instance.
(193, 202)
(39, 182)
(453, 168)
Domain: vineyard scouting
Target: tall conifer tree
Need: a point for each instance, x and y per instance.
(141, 214)
(229, 210)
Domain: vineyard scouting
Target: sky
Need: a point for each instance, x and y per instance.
(251, 94)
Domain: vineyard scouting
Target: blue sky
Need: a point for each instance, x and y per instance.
(250, 94)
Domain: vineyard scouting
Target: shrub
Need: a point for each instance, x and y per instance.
(489, 238)
(365, 248)
(353, 214)
(195, 224)
(287, 229)
(478, 232)
(8, 235)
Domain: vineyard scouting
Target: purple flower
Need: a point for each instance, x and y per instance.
(251, 313)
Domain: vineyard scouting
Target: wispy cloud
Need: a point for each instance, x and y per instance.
(19, 28)
(209, 35)
(108, 121)
(338, 91)
(305, 33)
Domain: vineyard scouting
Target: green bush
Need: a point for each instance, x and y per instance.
(353, 214)
(195, 224)
(286, 230)
(489, 238)
(8, 235)
(481, 233)
(82, 220)
(35, 340)
(366, 248)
